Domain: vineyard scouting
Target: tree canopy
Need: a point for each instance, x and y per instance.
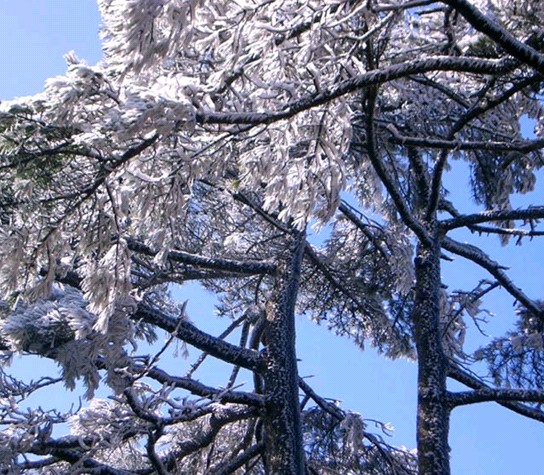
(203, 147)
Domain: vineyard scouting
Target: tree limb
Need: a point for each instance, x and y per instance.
(442, 144)
(199, 389)
(533, 212)
(470, 381)
(187, 332)
(365, 80)
(400, 203)
(495, 395)
(227, 265)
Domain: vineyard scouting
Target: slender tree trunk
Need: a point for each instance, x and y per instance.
(283, 450)
(433, 413)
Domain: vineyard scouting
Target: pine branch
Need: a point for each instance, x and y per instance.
(400, 203)
(513, 232)
(199, 389)
(204, 438)
(188, 333)
(524, 146)
(75, 457)
(405, 6)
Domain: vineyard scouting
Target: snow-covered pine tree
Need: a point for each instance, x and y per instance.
(202, 147)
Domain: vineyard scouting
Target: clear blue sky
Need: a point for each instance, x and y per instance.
(485, 439)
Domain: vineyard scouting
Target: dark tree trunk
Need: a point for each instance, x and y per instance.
(282, 432)
(433, 412)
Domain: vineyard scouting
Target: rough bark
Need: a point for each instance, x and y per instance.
(282, 432)
(433, 413)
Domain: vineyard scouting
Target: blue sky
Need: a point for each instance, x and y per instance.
(485, 439)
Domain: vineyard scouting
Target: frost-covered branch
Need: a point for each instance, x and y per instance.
(199, 389)
(497, 395)
(202, 439)
(226, 265)
(381, 170)
(497, 33)
(80, 458)
(403, 6)
(363, 81)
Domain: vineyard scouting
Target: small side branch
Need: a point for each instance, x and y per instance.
(328, 407)
(477, 256)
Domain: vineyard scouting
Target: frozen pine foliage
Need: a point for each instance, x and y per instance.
(211, 144)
